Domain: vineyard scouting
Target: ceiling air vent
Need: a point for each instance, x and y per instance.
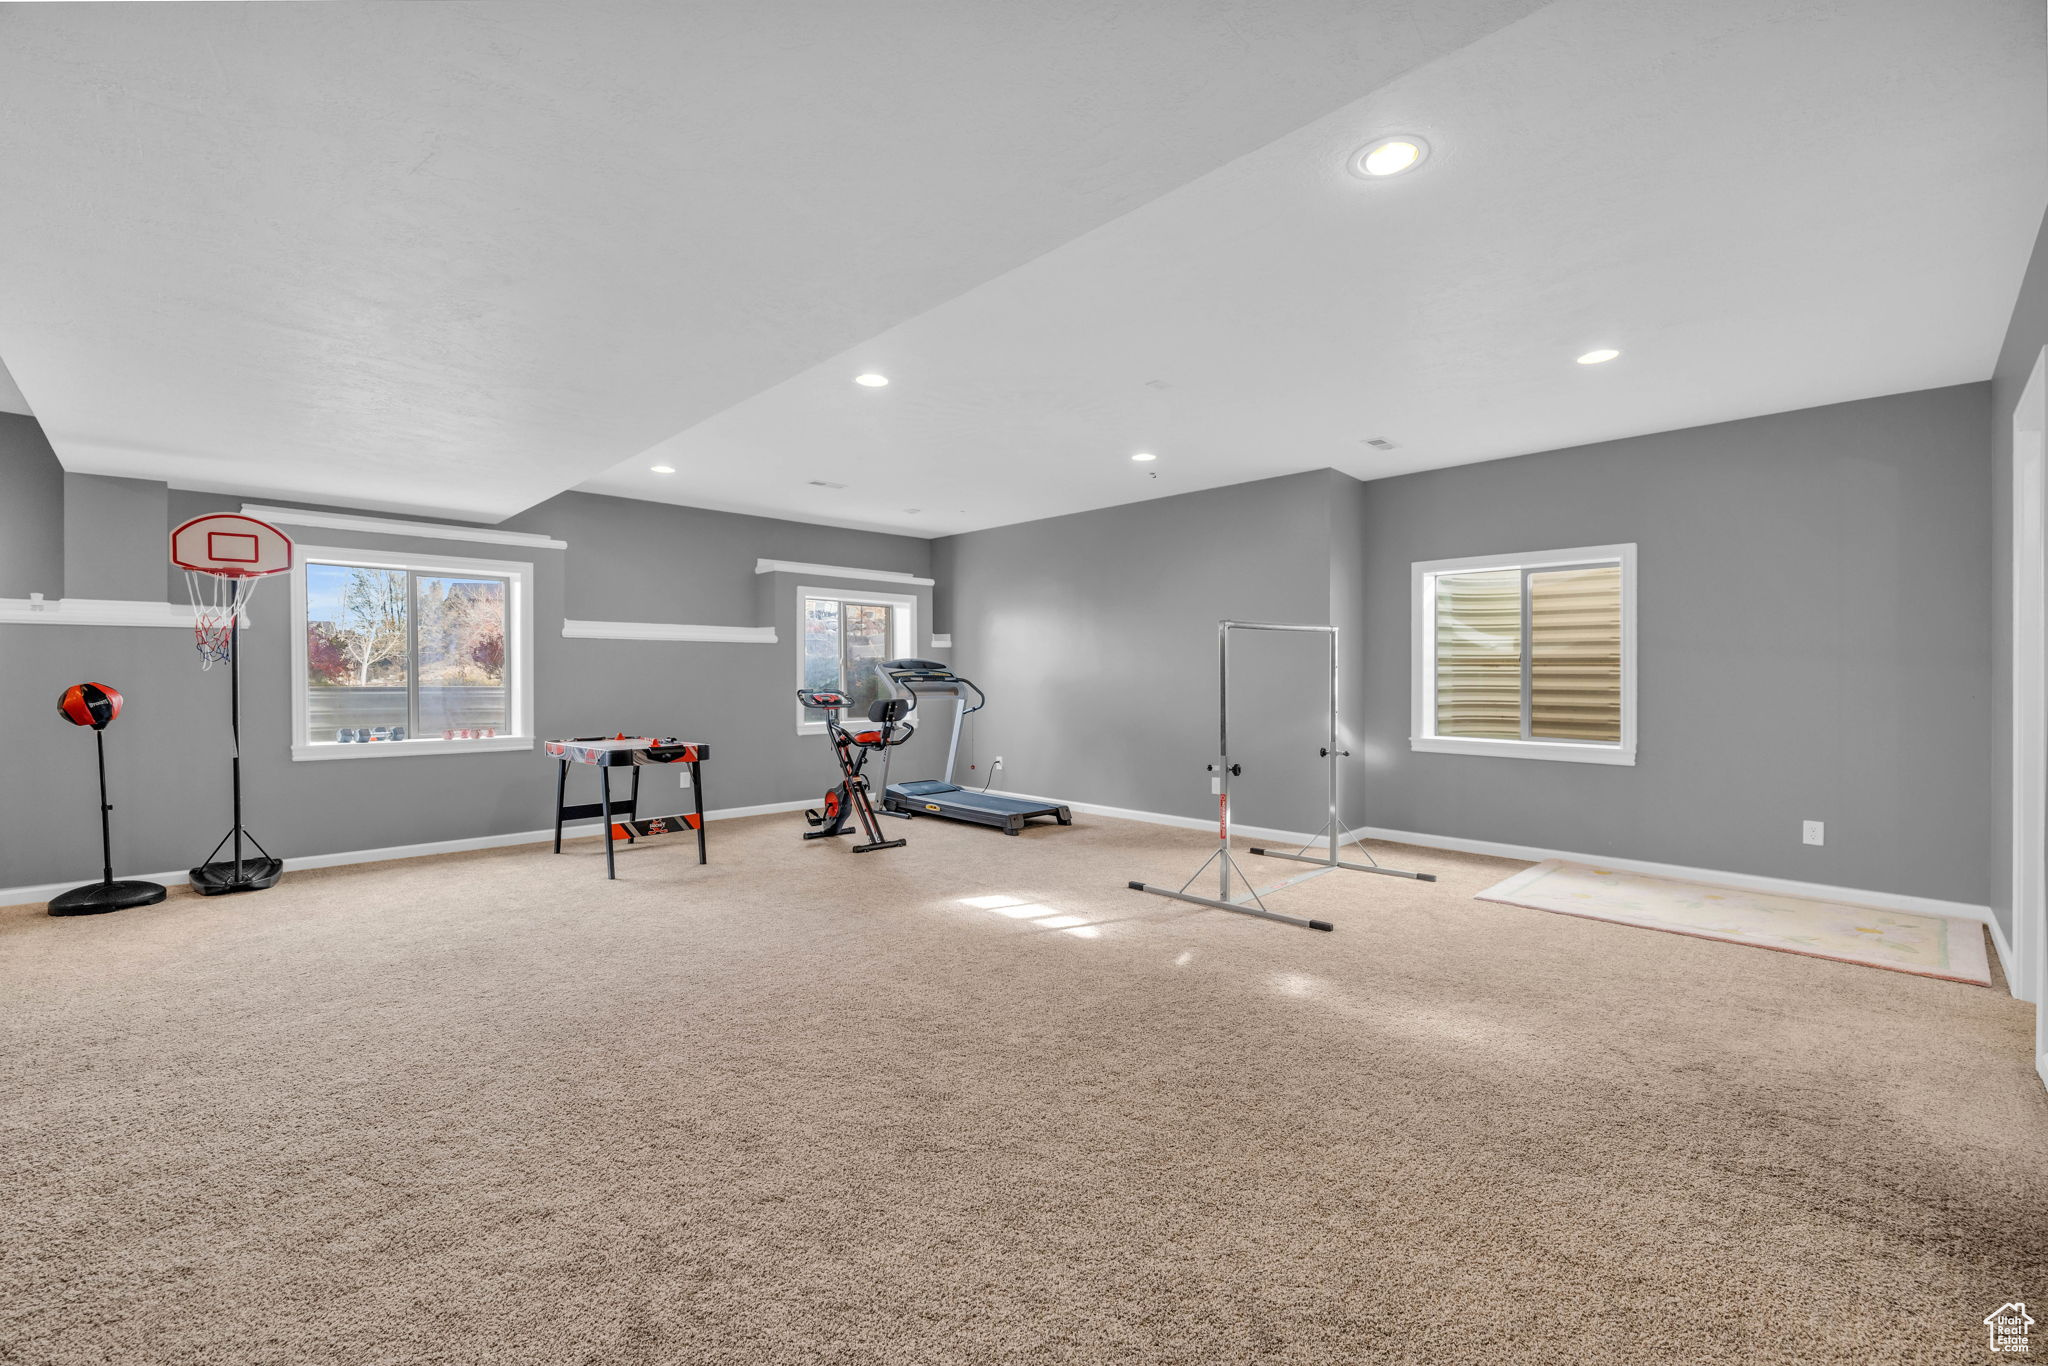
(825, 484)
(1379, 443)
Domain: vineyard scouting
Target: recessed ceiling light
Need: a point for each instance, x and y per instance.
(1144, 455)
(1389, 156)
(1600, 357)
(663, 469)
(872, 380)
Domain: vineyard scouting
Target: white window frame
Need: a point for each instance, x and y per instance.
(518, 653)
(1422, 736)
(903, 635)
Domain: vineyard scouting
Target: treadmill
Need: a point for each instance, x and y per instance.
(923, 678)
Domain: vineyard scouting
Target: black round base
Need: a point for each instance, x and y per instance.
(254, 874)
(101, 897)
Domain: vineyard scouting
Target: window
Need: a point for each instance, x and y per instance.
(425, 655)
(1529, 656)
(844, 635)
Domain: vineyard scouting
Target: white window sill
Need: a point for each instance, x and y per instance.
(1524, 749)
(810, 728)
(398, 749)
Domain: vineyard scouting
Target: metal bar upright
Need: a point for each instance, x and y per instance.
(1223, 770)
(1331, 752)
(1223, 758)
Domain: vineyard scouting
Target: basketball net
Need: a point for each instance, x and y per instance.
(215, 604)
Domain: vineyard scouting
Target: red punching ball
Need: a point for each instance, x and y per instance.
(95, 705)
(89, 704)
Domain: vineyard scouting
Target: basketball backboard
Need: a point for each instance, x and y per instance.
(231, 546)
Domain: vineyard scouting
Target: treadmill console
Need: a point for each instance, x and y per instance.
(911, 670)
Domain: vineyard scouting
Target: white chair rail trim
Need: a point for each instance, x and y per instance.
(668, 630)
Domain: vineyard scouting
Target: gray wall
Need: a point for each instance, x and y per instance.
(1095, 635)
(1817, 643)
(1814, 643)
(626, 565)
(2024, 338)
(31, 511)
(105, 555)
(638, 561)
(626, 561)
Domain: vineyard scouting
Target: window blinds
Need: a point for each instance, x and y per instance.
(1575, 654)
(1529, 654)
(1479, 654)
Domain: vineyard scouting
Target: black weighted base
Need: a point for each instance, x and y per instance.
(101, 897)
(216, 879)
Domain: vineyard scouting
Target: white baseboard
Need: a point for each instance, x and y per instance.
(1255, 832)
(1753, 882)
(1998, 942)
(39, 892)
(1853, 896)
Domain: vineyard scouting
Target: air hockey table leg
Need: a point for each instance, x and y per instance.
(604, 788)
(697, 786)
(561, 796)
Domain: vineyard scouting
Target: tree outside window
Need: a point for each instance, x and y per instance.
(391, 648)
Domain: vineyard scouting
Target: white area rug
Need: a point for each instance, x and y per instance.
(1929, 945)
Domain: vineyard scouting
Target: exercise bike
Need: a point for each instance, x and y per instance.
(852, 748)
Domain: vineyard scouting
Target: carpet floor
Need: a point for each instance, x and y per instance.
(973, 1101)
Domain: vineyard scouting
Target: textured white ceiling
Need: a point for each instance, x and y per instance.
(1765, 206)
(457, 257)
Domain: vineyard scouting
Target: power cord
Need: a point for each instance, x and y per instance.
(972, 750)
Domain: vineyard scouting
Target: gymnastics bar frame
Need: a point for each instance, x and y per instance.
(1252, 902)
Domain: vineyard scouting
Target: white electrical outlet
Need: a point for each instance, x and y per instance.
(998, 762)
(1814, 832)
(684, 774)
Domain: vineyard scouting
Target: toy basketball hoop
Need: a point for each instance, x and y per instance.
(224, 557)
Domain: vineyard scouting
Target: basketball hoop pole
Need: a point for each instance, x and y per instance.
(235, 707)
(244, 873)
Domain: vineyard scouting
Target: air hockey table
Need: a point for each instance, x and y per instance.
(622, 819)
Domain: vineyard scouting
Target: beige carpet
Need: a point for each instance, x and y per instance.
(803, 1106)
